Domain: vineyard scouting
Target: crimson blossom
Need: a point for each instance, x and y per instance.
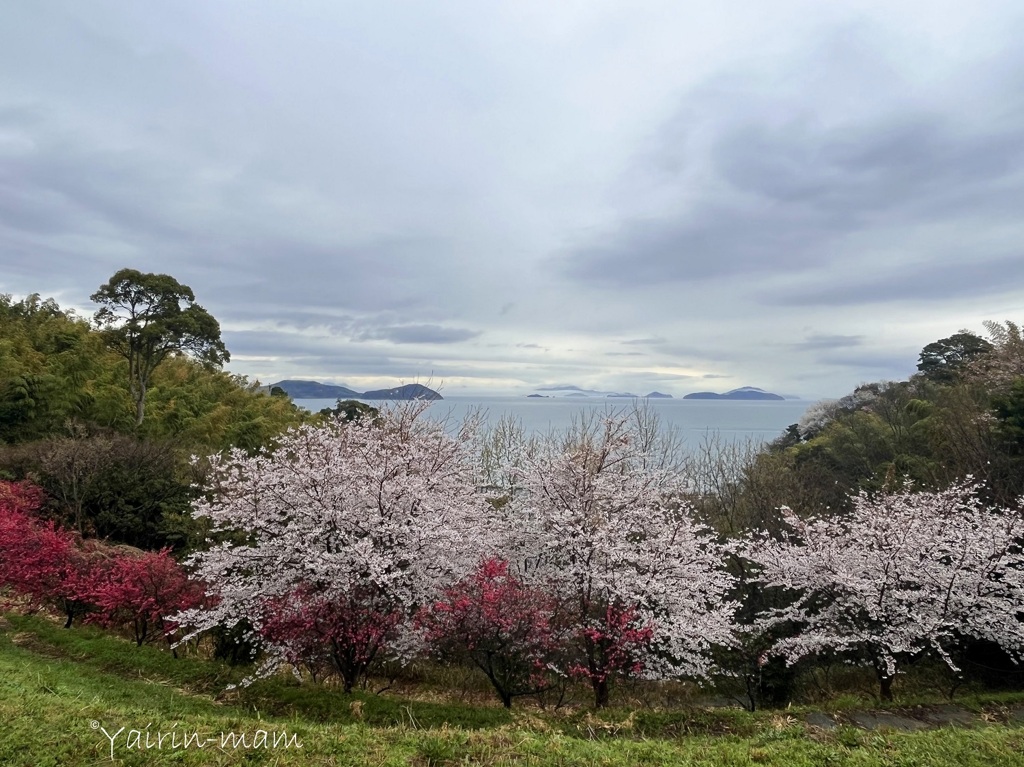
(902, 575)
(340, 633)
(616, 643)
(139, 590)
(39, 561)
(502, 626)
(384, 509)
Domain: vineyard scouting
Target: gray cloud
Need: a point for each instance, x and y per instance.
(795, 188)
(652, 341)
(711, 241)
(418, 334)
(930, 282)
(895, 365)
(829, 342)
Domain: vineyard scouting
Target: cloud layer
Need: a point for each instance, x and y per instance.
(507, 197)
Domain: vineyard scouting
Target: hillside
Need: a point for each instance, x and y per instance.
(80, 697)
(301, 389)
(743, 393)
(298, 389)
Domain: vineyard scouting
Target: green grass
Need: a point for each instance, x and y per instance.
(54, 684)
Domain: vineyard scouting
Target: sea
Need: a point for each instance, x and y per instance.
(693, 420)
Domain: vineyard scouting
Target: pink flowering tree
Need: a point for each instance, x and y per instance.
(599, 520)
(500, 625)
(384, 507)
(902, 575)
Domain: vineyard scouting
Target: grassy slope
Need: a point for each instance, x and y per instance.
(55, 683)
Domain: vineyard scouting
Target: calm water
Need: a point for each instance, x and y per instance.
(733, 420)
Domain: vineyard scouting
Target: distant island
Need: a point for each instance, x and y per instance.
(569, 390)
(408, 391)
(314, 390)
(743, 393)
(299, 389)
(652, 395)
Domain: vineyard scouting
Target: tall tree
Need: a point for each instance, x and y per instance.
(943, 361)
(143, 320)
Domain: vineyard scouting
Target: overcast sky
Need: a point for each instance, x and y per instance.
(502, 196)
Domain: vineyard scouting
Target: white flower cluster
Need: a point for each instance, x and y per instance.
(905, 573)
(394, 504)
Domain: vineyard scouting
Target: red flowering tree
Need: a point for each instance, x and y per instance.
(614, 644)
(23, 497)
(21, 563)
(140, 591)
(39, 562)
(497, 623)
(329, 631)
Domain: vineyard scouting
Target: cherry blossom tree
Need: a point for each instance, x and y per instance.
(903, 574)
(599, 521)
(500, 625)
(383, 506)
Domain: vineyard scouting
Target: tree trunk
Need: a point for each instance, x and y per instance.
(600, 692)
(140, 403)
(885, 680)
(885, 687)
(349, 677)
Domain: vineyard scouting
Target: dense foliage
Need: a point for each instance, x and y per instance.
(68, 420)
(56, 369)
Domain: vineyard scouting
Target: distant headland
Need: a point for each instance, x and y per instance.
(743, 393)
(299, 389)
